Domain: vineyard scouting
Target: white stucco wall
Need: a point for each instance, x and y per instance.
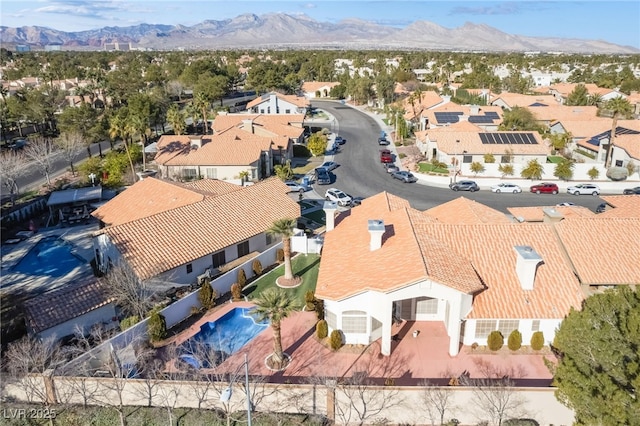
(547, 326)
(215, 172)
(275, 105)
(103, 314)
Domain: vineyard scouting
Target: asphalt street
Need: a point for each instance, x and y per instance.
(361, 173)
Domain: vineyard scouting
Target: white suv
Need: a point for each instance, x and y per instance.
(337, 196)
(584, 188)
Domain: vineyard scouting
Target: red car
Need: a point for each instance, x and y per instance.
(385, 156)
(545, 188)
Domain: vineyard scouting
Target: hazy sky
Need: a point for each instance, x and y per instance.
(613, 21)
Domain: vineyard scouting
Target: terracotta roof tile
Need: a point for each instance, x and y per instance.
(625, 206)
(314, 86)
(565, 113)
(604, 251)
(465, 211)
(536, 214)
(145, 198)
(58, 306)
(452, 142)
(292, 99)
(289, 125)
(155, 244)
(520, 100)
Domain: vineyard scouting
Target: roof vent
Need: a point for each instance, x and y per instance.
(330, 208)
(376, 231)
(551, 215)
(196, 141)
(526, 266)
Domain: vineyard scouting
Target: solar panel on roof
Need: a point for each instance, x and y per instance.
(517, 138)
(595, 140)
(483, 138)
(492, 114)
(532, 139)
(538, 104)
(447, 117)
(480, 119)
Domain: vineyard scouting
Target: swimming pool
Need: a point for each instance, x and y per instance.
(226, 335)
(51, 256)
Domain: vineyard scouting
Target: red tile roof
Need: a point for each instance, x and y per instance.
(463, 210)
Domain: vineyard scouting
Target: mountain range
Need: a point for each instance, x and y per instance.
(284, 31)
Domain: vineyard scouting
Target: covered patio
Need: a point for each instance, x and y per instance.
(70, 206)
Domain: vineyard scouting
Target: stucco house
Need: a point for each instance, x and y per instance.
(74, 307)
(170, 233)
(561, 91)
(223, 155)
(277, 103)
(485, 117)
(465, 265)
(318, 89)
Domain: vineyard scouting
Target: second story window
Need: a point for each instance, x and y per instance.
(189, 268)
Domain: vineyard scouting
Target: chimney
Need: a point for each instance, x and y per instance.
(551, 215)
(474, 110)
(526, 265)
(330, 208)
(196, 141)
(376, 230)
(247, 124)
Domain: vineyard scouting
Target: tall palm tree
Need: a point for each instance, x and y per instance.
(119, 128)
(619, 107)
(284, 228)
(176, 118)
(275, 304)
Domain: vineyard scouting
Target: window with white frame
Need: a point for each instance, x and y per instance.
(535, 325)
(484, 327)
(354, 322)
(507, 326)
(212, 173)
(189, 173)
(332, 320)
(426, 305)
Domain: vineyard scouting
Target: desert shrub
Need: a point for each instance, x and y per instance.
(129, 322)
(256, 266)
(495, 340)
(319, 308)
(156, 326)
(335, 340)
(402, 155)
(506, 169)
(310, 300)
(207, 295)
(322, 329)
(194, 310)
(389, 381)
(515, 340)
(236, 292)
(489, 158)
(242, 277)
(537, 341)
(593, 173)
(280, 255)
(474, 345)
(438, 164)
(477, 167)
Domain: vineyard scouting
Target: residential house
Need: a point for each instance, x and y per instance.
(318, 89)
(626, 145)
(508, 100)
(561, 91)
(415, 107)
(223, 155)
(169, 233)
(74, 307)
(277, 103)
(468, 267)
(485, 117)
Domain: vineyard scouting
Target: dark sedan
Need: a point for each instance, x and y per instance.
(632, 191)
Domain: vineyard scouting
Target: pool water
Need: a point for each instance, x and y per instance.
(229, 333)
(51, 256)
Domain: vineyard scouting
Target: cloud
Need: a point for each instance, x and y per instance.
(88, 8)
(308, 6)
(507, 8)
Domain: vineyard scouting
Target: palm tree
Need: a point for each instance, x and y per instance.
(284, 228)
(275, 304)
(176, 118)
(244, 176)
(119, 128)
(619, 107)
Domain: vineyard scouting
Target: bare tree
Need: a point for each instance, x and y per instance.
(40, 150)
(131, 294)
(496, 396)
(437, 401)
(12, 165)
(70, 143)
(29, 361)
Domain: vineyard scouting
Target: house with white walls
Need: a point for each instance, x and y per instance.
(277, 103)
(466, 265)
(170, 233)
(318, 89)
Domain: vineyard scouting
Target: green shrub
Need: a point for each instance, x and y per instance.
(301, 151)
(477, 167)
(156, 326)
(489, 158)
(593, 173)
(256, 266)
(322, 329)
(129, 322)
(310, 300)
(242, 277)
(319, 308)
(236, 292)
(335, 340)
(402, 155)
(515, 340)
(207, 295)
(280, 255)
(537, 340)
(438, 164)
(495, 340)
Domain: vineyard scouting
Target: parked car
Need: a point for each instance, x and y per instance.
(464, 185)
(506, 187)
(584, 188)
(17, 144)
(329, 165)
(390, 167)
(632, 191)
(355, 201)
(322, 176)
(405, 176)
(340, 140)
(544, 188)
(296, 187)
(386, 156)
(337, 196)
(383, 141)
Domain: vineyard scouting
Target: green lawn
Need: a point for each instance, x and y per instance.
(428, 167)
(305, 266)
(554, 159)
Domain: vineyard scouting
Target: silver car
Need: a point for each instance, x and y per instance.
(584, 188)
